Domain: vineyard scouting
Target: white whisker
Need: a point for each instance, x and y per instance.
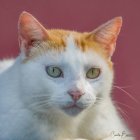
(127, 93)
(124, 114)
(125, 105)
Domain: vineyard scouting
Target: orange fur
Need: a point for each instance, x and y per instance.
(57, 41)
(39, 40)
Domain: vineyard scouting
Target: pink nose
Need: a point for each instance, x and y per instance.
(75, 95)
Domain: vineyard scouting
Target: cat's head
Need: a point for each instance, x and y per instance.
(64, 70)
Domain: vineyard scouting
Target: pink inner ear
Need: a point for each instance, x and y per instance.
(107, 34)
(30, 29)
(110, 49)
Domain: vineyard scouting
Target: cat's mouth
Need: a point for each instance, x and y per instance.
(74, 105)
(72, 109)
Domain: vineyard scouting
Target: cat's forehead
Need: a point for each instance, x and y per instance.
(61, 39)
(68, 47)
(65, 42)
(75, 56)
(68, 54)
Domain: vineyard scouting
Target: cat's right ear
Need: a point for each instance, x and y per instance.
(30, 30)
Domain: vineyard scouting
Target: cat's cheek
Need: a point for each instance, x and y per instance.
(95, 88)
(102, 85)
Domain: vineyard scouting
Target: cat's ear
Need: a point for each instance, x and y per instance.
(30, 30)
(107, 34)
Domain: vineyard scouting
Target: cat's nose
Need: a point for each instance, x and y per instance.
(75, 95)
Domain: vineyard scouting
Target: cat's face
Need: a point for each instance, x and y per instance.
(64, 70)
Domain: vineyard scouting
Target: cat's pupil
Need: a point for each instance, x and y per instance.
(92, 72)
(53, 69)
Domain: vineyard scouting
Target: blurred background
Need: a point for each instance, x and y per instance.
(86, 15)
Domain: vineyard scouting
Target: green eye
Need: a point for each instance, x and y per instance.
(93, 73)
(54, 72)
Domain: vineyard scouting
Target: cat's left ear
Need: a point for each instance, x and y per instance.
(30, 30)
(107, 34)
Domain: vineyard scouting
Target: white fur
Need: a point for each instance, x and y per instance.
(31, 101)
(5, 64)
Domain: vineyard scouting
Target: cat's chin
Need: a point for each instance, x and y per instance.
(72, 110)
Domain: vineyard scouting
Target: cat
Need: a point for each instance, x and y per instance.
(59, 87)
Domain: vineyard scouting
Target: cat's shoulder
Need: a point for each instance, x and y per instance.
(5, 64)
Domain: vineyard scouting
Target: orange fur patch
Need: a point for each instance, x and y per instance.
(57, 41)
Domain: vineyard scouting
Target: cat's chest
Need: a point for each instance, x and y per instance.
(57, 132)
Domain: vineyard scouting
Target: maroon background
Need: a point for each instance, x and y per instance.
(85, 15)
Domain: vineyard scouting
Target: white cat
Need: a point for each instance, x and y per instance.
(59, 86)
